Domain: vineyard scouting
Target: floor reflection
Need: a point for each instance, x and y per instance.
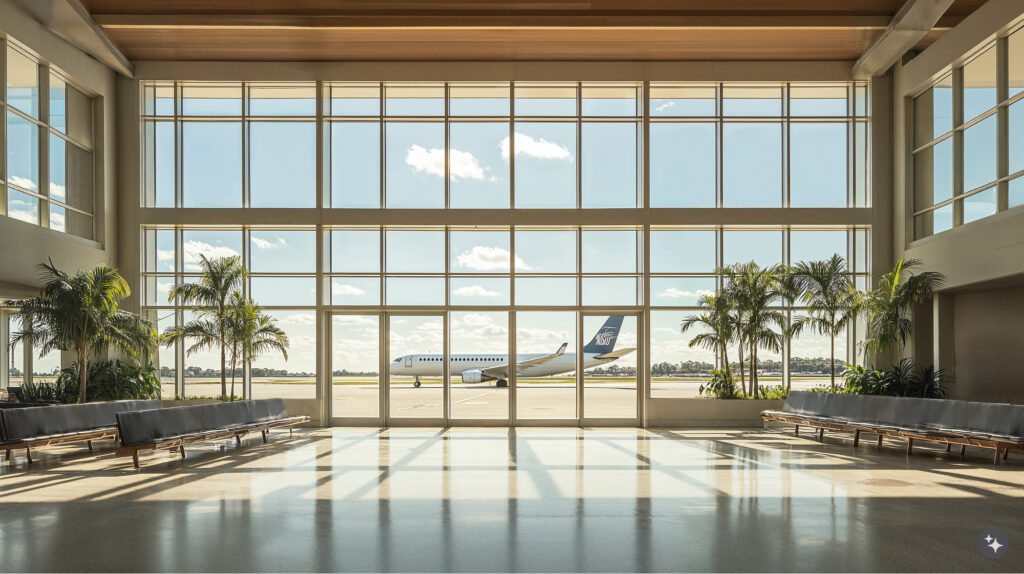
(498, 499)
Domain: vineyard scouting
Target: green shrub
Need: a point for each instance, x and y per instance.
(719, 387)
(59, 391)
(903, 379)
(115, 380)
(773, 391)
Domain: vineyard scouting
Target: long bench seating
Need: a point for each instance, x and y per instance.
(39, 426)
(175, 427)
(989, 425)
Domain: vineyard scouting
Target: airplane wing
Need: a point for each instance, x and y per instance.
(615, 354)
(501, 371)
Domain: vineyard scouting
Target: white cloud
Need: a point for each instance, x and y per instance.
(346, 289)
(537, 148)
(57, 191)
(664, 106)
(192, 249)
(165, 255)
(57, 221)
(297, 319)
(23, 182)
(474, 291)
(483, 258)
(463, 164)
(674, 293)
(261, 243)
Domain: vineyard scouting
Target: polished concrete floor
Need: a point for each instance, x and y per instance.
(512, 500)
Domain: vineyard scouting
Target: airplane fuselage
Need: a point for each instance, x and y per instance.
(428, 365)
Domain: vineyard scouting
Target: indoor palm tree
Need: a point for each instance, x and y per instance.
(719, 327)
(209, 298)
(756, 293)
(251, 333)
(831, 299)
(80, 313)
(889, 305)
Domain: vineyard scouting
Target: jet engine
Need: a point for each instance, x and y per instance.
(475, 376)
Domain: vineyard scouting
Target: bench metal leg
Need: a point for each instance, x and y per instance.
(856, 438)
(8, 455)
(28, 454)
(238, 439)
(995, 460)
(1006, 454)
(266, 436)
(821, 435)
(89, 444)
(910, 446)
(880, 437)
(135, 459)
(949, 445)
(796, 430)
(182, 450)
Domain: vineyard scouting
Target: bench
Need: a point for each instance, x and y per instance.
(40, 426)
(988, 425)
(175, 427)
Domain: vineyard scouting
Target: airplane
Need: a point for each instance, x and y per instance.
(481, 367)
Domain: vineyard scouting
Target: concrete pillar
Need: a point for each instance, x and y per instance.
(943, 332)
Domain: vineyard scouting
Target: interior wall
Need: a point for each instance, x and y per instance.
(989, 341)
(26, 245)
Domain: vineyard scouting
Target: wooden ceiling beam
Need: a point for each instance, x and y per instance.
(915, 20)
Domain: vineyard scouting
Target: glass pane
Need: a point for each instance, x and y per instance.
(165, 363)
(58, 169)
(1015, 51)
(761, 247)
(609, 165)
(545, 99)
(979, 205)
(817, 100)
(980, 154)
(22, 82)
(203, 371)
(683, 251)
(211, 99)
(478, 342)
(284, 291)
(609, 385)
(545, 165)
(1016, 139)
(546, 391)
(479, 165)
(355, 251)
(156, 291)
(355, 366)
(355, 100)
(816, 245)
(677, 369)
(682, 100)
(58, 104)
(1017, 192)
(415, 372)
(683, 164)
(414, 99)
(860, 162)
(751, 100)
(810, 358)
(58, 218)
(282, 164)
(980, 85)
(212, 244)
(158, 250)
(274, 251)
(545, 291)
(610, 251)
(414, 251)
(933, 112)
(159, 164)
(294, 377)
(933, 174)
(860, 250)
(943, 219)
(355, 291)
(22, 152)
(479, 251)
(158, 99)
(355, 164)
(610, 291)
(212, 164)
(80, 179)
(680, 291)
(282, 100)
(478, 99)
(414, 291)
(611, 100)
(544, 251)
(22, 206)
(752, 165)
(479, 291)
(415, 165)
(818, 166)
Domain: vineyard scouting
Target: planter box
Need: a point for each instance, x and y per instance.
(708, 412)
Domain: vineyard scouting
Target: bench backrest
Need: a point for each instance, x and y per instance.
(22, 424)
(154, 426)
(998, 418)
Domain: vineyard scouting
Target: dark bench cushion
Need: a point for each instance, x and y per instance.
(23, 424)
(154, 426)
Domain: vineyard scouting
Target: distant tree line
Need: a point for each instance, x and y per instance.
(816, 365)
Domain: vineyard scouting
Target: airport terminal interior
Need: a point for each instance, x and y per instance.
(594, 285)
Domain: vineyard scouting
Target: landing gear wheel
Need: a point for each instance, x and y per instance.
(502, 384)
(416, 383)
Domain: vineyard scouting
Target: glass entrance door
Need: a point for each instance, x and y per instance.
(356, 375)
(611, 383)
(416, 393)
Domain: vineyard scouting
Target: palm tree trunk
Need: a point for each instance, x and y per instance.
(223, 367)
(832, 363)
(743, 376)
(725, 359)
(83, 357)
(232, 397)
(753, 369)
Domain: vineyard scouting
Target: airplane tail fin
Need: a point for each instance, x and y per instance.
(604, 340)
